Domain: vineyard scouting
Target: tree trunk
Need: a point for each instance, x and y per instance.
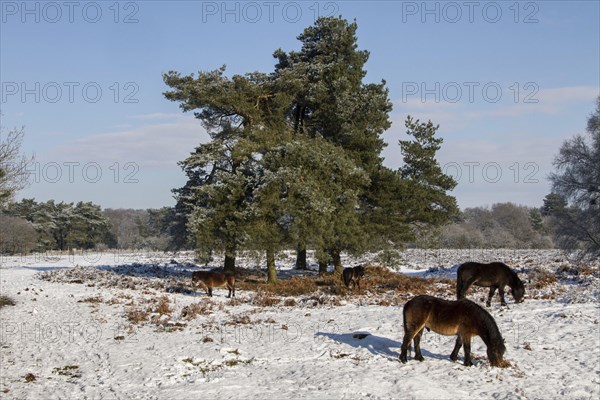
(337, 261)
(229, 265)
(271, 272)
(301, 257)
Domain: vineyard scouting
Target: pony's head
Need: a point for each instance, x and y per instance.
(518, 291)
(496, 354)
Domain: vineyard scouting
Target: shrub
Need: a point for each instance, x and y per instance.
(19, 235)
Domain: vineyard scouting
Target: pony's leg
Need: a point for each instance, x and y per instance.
(404, 347)
(501, 294)
(457, 346)
(209, 291)
(488, 303)
(409, 334)
(417, 342)
(467, 350)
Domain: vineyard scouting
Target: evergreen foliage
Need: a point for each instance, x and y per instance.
(62, 226)
(294, 159)
(426, 202)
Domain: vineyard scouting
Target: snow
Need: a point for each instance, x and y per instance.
(77, 341)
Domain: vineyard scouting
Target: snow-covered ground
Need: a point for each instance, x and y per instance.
(80, 339)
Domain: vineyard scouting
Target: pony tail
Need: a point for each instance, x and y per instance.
(409, 347)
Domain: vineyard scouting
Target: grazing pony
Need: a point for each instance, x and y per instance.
(214, 279)
(353, 275)
(463, 318)
(494, 275)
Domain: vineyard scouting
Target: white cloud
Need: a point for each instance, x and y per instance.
(530, 99)
(550, 101)
(162, 116)
(155, 145)
(479, 136)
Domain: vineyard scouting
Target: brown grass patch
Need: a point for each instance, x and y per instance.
(193, 310)
(290, 302)
(264, 299)
(541, 278)
(136, 315)
(377, 280)
(163, 307)
(294, 286)
(239, 320)
(588, 269)
(94, 299)
(504, 364)
(234, 301)
(381, 280)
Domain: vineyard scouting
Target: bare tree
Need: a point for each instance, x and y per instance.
(14, 174)
(577, 182)
(17, 235)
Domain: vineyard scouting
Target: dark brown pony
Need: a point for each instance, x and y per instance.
(463, 318)
(213, 279)
(353, 275)
(494, 275)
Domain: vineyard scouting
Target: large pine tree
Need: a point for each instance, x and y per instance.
(332, 101)
(294, 158)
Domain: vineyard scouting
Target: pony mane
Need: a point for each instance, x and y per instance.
(515, 281)
(488, 324)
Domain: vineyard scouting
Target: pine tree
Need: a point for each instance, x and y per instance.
(88, 226)
(331, 101)
(305, 190)
(295, 160)
(244, 116)
(62, 225)
(425, 201)
(552, 203)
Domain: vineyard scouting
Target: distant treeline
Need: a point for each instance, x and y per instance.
(503, 225)
(28, 226)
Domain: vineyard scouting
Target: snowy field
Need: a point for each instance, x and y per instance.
(124, 325)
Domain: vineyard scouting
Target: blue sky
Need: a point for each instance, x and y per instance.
(507, 82)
